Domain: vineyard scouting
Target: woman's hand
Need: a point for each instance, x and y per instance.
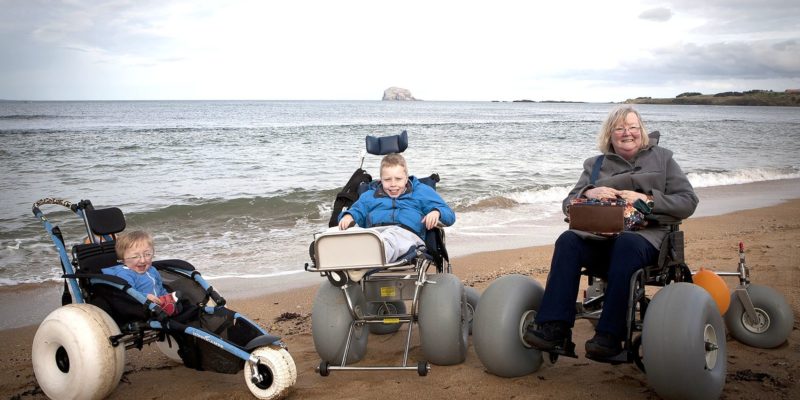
(346, 222)
(602, 192)
(432, 219)
(630, 196)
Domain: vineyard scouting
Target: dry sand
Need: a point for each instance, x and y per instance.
(772, 239)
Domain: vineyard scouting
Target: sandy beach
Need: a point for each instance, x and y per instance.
(771, 236)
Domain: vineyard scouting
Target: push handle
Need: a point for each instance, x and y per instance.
(50, 200)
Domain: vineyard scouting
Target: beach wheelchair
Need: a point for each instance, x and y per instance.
(79, 349)
(364, 294)
(678, 339)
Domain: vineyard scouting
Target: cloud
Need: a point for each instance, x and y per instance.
(656, 14)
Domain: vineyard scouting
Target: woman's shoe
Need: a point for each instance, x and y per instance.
(548, 336)
(603, 345)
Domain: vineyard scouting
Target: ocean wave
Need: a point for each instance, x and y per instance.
(32, 117)
(487, 203)
(287, 207)
(535, 196)
(736, 177)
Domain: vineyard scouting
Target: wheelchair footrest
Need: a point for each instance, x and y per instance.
(621, 358)
(567, 350)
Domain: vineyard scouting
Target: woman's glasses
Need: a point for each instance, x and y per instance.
(144, 256)
(631, 129)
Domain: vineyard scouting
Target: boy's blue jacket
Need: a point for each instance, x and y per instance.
(375, 208)
(147, 283)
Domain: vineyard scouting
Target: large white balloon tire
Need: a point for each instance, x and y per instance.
(277, 373)
(72, 355)
(500, 319)
(683, 344)
(384, 308)
(330, 322)
(443, 326)
(169, 348)
(473, 297)
(775, 318)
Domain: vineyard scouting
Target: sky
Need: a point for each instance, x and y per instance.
(441, 50)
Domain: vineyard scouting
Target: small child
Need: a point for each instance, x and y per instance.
(402, 208)
(135, 252)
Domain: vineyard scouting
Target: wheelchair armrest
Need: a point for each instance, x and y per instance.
(664, 219)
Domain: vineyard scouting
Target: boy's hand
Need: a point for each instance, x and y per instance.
(154, 299)
(167, 303)
(346, 222)
(432, 219)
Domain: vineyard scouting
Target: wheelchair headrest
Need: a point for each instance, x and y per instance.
(654, 136)
(105, 221)
(380, 146)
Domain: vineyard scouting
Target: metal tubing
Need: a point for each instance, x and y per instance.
(749, 309)
(373, 368)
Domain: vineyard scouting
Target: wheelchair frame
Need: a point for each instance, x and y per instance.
(370, 278)
(138, 333)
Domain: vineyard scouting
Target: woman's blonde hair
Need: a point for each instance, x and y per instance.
(615, 117)
(127, 240)
(392, 160)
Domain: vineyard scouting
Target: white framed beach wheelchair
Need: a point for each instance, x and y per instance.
(79, 349)
(678, 339)
(363, 294)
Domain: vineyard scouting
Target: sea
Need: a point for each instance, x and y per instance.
(239, 188)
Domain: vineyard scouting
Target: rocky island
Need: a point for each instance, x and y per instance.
(397, 94)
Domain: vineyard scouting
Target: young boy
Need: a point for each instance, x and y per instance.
(402, 207)
(135, 252)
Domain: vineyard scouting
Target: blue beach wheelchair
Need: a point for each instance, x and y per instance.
(79, 349)
(363, 294)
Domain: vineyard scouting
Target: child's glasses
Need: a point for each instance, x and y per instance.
(146, 256)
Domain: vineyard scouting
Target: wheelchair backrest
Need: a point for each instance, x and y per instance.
(93, 257)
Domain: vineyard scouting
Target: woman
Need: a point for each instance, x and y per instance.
(634, 169)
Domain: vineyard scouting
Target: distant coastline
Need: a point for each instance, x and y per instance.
(788, 98)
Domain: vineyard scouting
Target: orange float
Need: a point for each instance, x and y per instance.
(715, 286)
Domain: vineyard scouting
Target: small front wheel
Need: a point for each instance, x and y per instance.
(324, 368)
(774, 318)
(269, 378)
(423, 368)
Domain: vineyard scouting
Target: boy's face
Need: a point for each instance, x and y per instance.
(138, 257)
(393, 180)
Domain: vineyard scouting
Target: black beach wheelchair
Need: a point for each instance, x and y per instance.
(79, 349)
(677, 339)
(363, 294)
